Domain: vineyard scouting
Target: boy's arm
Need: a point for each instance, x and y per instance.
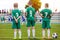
(25, 14)
(13, 16)
(19, 17)
(20, 14)
(51, 14)
(40, 14)
(35, 17)
(15, 19)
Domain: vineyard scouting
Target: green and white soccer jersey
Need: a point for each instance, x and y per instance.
(30, 16)
(45, 19)
(16, 13)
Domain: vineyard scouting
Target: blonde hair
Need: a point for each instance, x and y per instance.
(15, 5)
(46, 4)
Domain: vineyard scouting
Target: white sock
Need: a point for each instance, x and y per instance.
(48, 32)
(15, 34)
(19, 34)
(28, 33)
(43, 33)
(33, 32)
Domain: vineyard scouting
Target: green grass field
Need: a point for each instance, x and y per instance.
(6, 31)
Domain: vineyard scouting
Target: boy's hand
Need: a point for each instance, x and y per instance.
(42, 16)
(49, 16)
(16, 20)
(19, 17)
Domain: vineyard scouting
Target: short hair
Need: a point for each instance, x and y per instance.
(26, 6)
(46, 4)
(29, 3)
(15, 4)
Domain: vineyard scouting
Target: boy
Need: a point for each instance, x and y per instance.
(30, 14)
(16, 13)
(46, 17)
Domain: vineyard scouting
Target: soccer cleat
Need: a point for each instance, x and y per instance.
(34, 38)
(28, 38)
(43, 37)
(49, 37)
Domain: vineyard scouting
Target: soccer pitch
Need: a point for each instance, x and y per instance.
(6, 31)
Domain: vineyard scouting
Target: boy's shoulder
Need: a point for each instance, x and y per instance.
(46, 9)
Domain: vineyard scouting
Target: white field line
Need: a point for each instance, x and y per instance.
(12, 29)
(6, 29)
(23, 37)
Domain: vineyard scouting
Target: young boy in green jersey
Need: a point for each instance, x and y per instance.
(30, 15)
(46, 17)
(16, 14)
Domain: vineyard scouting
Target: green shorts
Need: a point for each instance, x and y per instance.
(30, 23)
(46, 24)
(16, 25)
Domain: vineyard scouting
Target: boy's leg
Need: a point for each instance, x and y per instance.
(43, 29)
(33, 28)
(33, 31)
(19, 32)
(15, 29)
(28, 25)
(43, 33)
(28, 31)
(15, 32)
(48, 29)
(48, 32)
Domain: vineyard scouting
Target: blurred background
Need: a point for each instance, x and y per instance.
(7, 5)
